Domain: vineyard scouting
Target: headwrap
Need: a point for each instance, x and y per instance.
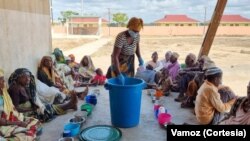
(175, 54)
(59, 55)
(90, 63)
(31, 88)
(213, 71)
(8, 106)
(192, 56)
(135, 24)
(208, 64)
(49, 72)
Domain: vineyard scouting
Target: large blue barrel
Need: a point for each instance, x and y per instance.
(125, 101)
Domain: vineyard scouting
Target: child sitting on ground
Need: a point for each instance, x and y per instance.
(99, 78)
(165, 82)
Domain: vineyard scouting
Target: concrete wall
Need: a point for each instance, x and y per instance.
(25, 33)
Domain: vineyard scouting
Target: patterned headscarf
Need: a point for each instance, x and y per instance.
(31, 88)
(135, 24)
(90, 63)
(59, 55)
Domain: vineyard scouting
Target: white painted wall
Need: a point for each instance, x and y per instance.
(25, 34)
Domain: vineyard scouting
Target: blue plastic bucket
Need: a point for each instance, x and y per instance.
(125, 101)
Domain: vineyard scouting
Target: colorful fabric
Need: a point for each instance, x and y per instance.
(173, 70)
(99, 79)
(208, 101)
(126, 66)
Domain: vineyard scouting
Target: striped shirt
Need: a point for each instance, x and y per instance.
(121, 42)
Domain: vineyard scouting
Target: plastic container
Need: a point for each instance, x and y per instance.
(164, 118)
(73, 128)
(91, 99)
(125, 101)
(88, 108)
(79, 121)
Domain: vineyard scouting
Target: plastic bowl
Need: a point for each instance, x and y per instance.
(73, 128)
(164, 118)
(88, 108)
(77, 120)
(91, 99)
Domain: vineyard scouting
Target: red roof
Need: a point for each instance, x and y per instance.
(177, 18)
(234, 18)
(87, 19)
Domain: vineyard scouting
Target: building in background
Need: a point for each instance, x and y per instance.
(176, 20)
(86, 25)
(234, 20)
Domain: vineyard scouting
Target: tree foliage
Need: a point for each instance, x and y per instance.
(120, 18)
(65, 15)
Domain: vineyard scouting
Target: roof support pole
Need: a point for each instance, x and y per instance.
(212, 27)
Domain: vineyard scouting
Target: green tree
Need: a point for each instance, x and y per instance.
(65, 15)
(120, 18)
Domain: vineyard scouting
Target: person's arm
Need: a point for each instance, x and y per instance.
(218, 104)
(115, 57)
(4, 122)
(138, 51)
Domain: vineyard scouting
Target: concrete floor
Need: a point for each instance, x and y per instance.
(147, 130)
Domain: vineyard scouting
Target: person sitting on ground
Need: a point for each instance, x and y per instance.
(186, 75)
(73, 64)
(87, 68)
(166, 61)
(99, 78)
(195, 84)
(157, 66)
(13, 125)
(210, 105)
(165, 82)
(59, 56)
(23, 93)
(174, 67)
(240, 111)
(148, 75)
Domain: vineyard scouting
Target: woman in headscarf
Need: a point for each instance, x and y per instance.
(13, 125)
(59, 56)
(23, 93)
(87, 68)
(126, 45)
(48, 75)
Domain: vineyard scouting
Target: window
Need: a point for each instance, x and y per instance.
(246, 24)
(90, 25)
(85, 25)
(189, 24)
(182, 24)
(236, 24)
(176, 24)
(166, 24)
(231, 24)
(224, 25)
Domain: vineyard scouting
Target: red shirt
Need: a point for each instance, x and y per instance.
(99, 79)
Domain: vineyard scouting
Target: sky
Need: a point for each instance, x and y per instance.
(149, 10)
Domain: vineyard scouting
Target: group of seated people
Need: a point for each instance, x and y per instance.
(31, 99)
(199, 84)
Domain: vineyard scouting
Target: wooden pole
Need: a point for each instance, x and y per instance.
(212, 28)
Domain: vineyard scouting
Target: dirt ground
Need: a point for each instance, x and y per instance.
(232, 54)
(66, 44)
